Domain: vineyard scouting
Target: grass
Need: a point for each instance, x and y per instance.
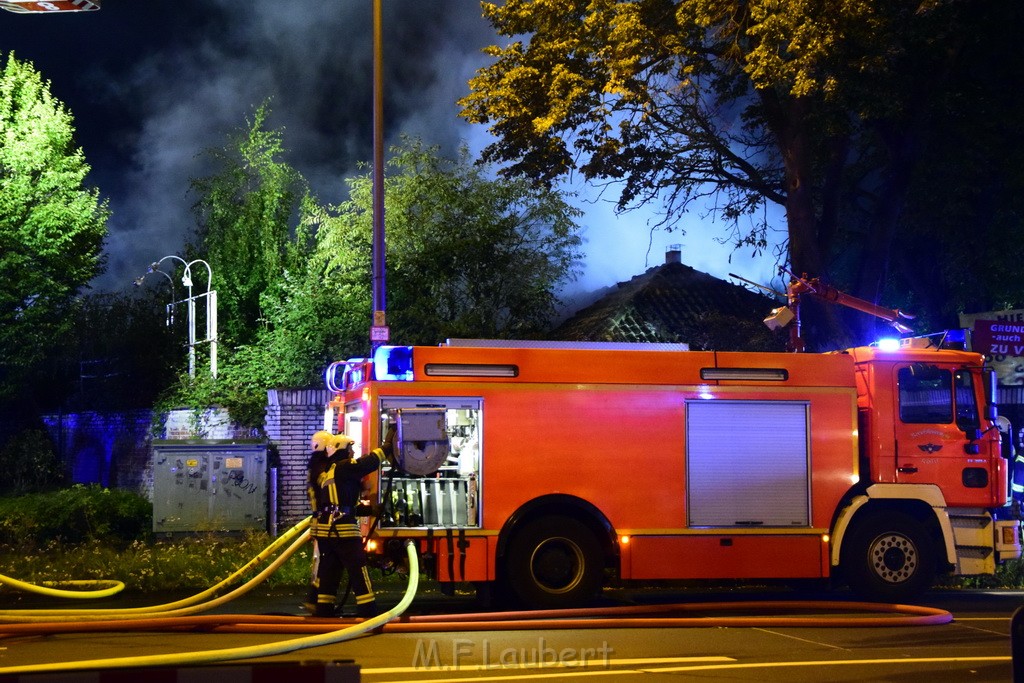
(90, 532)
(114, 541)
(192, 563)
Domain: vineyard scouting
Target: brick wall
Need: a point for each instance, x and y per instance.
(292, 417)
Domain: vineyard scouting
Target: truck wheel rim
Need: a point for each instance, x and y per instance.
(557, 565)
(893, 557)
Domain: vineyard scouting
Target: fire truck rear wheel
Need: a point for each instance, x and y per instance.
(554, 562)
(889, 558)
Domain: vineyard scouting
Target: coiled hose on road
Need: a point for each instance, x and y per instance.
(183, 614)
(254, 651)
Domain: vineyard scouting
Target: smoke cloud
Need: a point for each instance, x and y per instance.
(154, 83)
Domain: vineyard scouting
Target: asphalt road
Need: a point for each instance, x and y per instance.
(974, 646)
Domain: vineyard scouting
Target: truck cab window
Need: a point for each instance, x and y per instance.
(966, 403)
(926, 395)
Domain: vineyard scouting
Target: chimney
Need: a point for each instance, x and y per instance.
(674, 253)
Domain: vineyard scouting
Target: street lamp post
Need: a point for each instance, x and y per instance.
(211, 318)
(211, 308)
(379, 330)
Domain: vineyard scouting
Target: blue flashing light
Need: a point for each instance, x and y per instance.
(957, 336)
(334, 377)
(393, 363)
(342, 375)
(888, 344)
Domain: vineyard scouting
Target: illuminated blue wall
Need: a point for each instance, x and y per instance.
(110, 449)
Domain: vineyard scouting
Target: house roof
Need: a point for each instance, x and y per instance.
(676, 303)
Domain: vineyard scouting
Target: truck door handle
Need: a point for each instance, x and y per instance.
(907, 470)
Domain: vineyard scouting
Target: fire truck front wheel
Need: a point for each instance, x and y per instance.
(889, 558)
(554, 562)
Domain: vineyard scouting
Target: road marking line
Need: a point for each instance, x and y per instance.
(844, 662)
(708, 667)
(802, 640)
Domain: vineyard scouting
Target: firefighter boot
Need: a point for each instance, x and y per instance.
(367, 610)
(325, 608)
(309, 604)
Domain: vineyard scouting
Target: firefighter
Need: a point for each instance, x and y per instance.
(337, 530)
(1014, 454)
(316, 466)
(1013, 450)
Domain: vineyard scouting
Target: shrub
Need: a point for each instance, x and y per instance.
(80, 514)
(29, 463)
(89, 532)
(183, 565)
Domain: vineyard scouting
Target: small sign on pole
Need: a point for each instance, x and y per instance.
(379, 333)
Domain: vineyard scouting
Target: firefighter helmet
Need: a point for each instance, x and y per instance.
(319, 441)
(339, 442)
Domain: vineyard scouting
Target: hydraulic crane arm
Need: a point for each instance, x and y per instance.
(799, 286)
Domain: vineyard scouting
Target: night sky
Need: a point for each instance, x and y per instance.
(154, 83)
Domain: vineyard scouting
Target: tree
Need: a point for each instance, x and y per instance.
(51, 225)
(468, 255)
(820, 108)
(117, 354)
(246, 210)
(965, 202)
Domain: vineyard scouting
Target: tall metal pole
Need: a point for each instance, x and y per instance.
(379, 330)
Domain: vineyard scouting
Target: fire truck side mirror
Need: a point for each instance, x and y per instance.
(991, 384)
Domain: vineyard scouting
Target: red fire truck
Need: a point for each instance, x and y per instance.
(546, 467)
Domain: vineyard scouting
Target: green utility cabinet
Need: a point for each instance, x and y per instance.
(209, 486)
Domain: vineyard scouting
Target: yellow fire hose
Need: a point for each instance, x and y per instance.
(111, 587)
(190, 605)
(170, 616)
(248, 652)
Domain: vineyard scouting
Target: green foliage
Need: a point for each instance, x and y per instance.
(965, 202)
(468, 255)
(119, 354)
(51, 226)
(245, 213)
(839, 113)
(86, 532)
(240, 386)
(75, 515)
(189, 564)
(29, 463)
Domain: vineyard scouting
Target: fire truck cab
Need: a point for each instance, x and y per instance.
(546, 468)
